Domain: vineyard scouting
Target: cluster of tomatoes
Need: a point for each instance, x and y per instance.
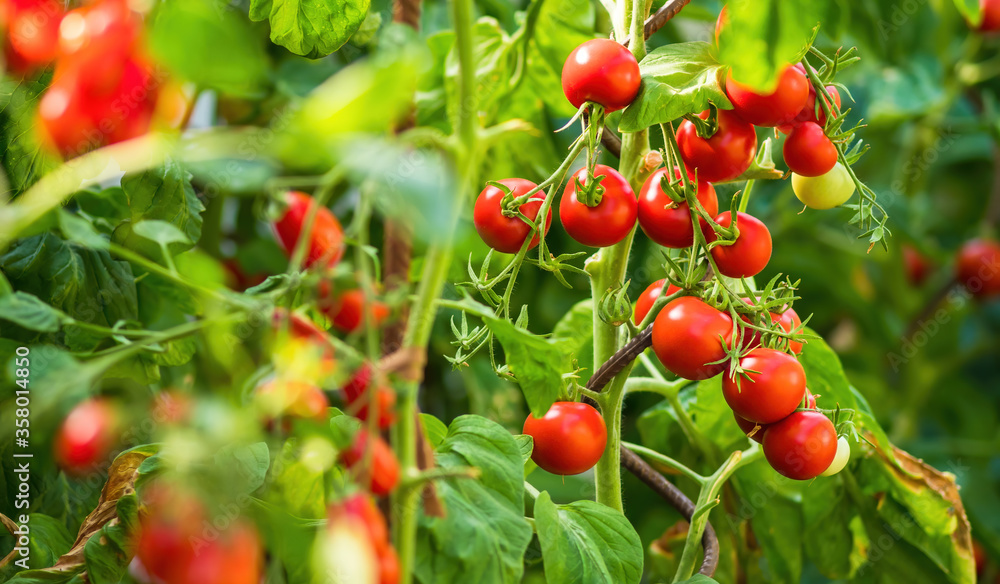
(104, 89)
(768, 396)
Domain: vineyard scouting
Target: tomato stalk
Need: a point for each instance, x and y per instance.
(607, 271)
(432, 281)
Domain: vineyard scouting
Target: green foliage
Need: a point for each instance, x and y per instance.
(311, 29)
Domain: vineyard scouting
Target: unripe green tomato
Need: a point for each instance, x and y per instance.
(825, 191)
(840, 459)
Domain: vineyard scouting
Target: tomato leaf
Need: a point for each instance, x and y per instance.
(971, 10)
(163, 194)
(484, 535)
(762, 37)
(699, 579)
(827, 535)
(28, 311)
(21, 155)
(434, 429)
(677, 79)
(575, 333)
(311, 28)
(585, 542)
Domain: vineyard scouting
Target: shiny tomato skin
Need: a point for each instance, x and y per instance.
(753, 430)
(978, 267)
(506, 234)
(825, 191)
(751, 251)
(326, 242)
(33, 31)
(607, 223)
(86, 437)
(780, 106)
(569, 439)
(649, 296)
(769, 395)
(808, 113)
(801, 446)
(686, 338)
(355, 394)
(347, 310)
(808, 151)
(991, 16)
(602, 71)
(723, 156)
(383, 476)
(668, 223)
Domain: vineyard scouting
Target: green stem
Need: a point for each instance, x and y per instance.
(436, 264)
(607, 271)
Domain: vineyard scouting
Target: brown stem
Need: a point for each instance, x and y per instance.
(663, 16)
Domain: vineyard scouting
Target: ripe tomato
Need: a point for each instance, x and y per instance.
(347, 310)
(361, 507)
(33, 31)
(978, 267)
(770, 394)
(569, 439)
(106, 30)
(666, 222)
(356, 395)
(649, 296)
(918, 267)
(609, 221)
(503, 233)
(725, 155)
(991, 16)
(304, 329)
(807, 150)
(801, 446)
(86, 437)
(602, 71)
(388, 567)
(808, 113)
(840, 459)
(292, 398)
(326, 241)
(770, 109)
(825, 191)
(789, 320)
(751, 251)
(753, 430)
(689, 336)
(383, 475)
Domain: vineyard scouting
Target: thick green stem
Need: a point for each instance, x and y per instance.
(436, 264)
(607, 270)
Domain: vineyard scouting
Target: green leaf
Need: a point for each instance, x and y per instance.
(163, 194)
(556, 32)
(491, 52)
(161, 232)
(484, 535)
(587, 543)
(247, 464)
(48, 540)
(762, 37)
(699, 579)
(677, 79)
(575, 334)
(21, 156)
(110, 204)
(86, 284)
(79, 230)
(297, 486)
(434, 429)
(311, 28)
(209, 43)
(107, 552)
(829, 542)
(29, 312)
(713, 417)
(970, 10)
(526, 444)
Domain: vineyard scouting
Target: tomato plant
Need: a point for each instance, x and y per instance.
(270, 310)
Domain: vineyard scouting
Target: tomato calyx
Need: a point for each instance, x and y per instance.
(590, 192)
(705, 128)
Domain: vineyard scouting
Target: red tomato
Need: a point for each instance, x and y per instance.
(609, 221)
(503, 233)
(361, 507)
(725, 155)
(801, 446)
(808, 151)
(106, 30)
(689, 336)
(753, 430)
(87, 435)
(172, 407)
(770, 394)
(356, 395)
(918, 267)
(569, 439)
(171, 545)
(751, 251)
(770, 109)
(666, 222)
(602, 71)
(326, 241)
(810, 400)
(383, 476)
(304, 329)
(388, 569)
(649, 296)
(33, 31)
(347, 310)
(808, 113)
(978, 267)
(789, 320)
(991, 16)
